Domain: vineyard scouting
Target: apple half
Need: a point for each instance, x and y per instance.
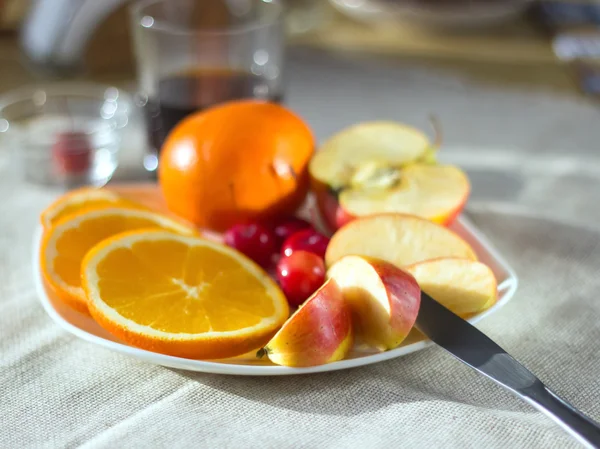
(466, 287)
(396, 238)
(319, 332)
(379, 167)
(383, 298)
(394, 143)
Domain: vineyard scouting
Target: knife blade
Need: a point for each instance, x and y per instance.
(472, 347)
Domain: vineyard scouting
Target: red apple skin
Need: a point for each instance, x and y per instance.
(404, 295)
(329, 208)
(335, 216)
(381, 329)
(319, 332)
(449, 219)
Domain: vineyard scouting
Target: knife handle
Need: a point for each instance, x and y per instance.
(568, 417)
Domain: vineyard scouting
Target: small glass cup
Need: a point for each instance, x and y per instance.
(192, 54)
(64, 135)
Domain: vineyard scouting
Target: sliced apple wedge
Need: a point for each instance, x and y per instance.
(384, 299)
(319, 332)
(396, 238)
(393, 143)
(466, 287)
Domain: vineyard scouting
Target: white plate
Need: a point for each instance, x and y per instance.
(87, 329)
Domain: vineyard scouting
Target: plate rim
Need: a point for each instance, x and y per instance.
(507, 288)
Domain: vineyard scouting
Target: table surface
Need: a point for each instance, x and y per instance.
(533, 159)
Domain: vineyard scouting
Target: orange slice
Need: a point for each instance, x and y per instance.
(65, 244)
(182, 296)
(83, 198)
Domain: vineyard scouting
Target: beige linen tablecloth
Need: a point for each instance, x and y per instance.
(536, 172)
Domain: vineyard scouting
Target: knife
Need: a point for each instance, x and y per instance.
(475, 349)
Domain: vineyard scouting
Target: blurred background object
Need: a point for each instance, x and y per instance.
(12, 13)
(65, 135)
(70, 37)
(545, 44)
(450, 14)
(56, 33)
(303, 16)
(192, 55)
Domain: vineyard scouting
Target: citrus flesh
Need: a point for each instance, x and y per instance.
(182, 296)
(65, 244)
(83, 198)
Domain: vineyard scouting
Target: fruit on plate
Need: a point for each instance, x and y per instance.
(384, 299)
(466, 287)
(254, 240)
(65, 244)
(300, 275)
(307, 240)
(435, 192)
(383, 167)
(180, 295)
(396, 238)
(319, 332)
(284, 227)
(83, 198)
(386, 141)
(236, 162)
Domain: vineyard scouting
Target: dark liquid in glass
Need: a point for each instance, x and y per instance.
(181, 94)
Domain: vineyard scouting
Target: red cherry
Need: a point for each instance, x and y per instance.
(307, 240)
(254, 240)
(287, 226)
(300, 275)
(72, 153)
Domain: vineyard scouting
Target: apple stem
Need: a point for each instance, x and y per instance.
(437, 129)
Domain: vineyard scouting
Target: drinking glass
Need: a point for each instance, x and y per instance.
(192, 54)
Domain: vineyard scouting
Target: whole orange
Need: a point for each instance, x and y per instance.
(235, 162)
